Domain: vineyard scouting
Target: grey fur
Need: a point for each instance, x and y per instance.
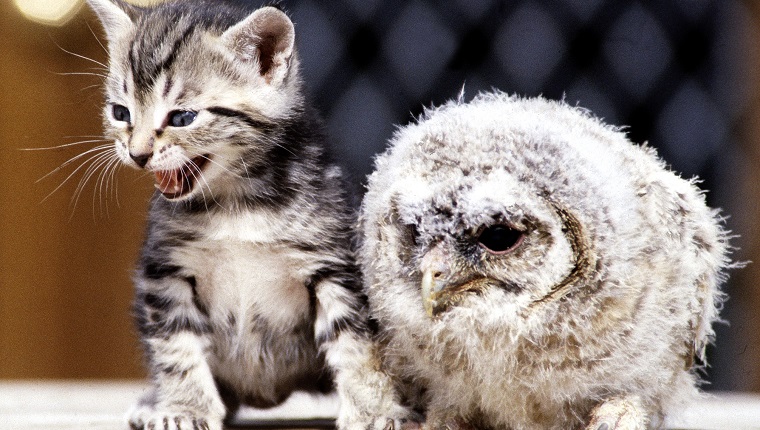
(247, 287)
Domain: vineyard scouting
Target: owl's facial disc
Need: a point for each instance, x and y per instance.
(443, 286)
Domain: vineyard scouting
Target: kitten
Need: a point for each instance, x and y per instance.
(247, 288)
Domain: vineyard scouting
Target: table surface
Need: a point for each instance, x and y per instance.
(58, 405)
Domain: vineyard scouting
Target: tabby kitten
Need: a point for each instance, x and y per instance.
(246, 287)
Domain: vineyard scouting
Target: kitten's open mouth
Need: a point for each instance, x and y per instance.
(178, 182)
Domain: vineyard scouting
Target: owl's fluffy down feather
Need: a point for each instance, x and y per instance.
(604, 303)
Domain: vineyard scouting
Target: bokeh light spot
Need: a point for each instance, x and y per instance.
(49, 12)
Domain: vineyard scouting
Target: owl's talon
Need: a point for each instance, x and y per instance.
(624, 413)
(451, 423)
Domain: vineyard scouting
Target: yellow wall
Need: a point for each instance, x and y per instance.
(65, 286)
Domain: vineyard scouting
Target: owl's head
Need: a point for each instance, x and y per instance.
(493, 202)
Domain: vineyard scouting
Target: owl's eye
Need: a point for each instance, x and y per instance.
(499, 239)
(121, 113)
(181, 118)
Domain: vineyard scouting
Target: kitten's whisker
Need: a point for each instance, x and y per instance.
(81, 74)
(278, 144)
(245, 167)
(213, 198)
(89, 173)
(65, 145)
(99, 182)
(94, 164)
(222, 166)
(84, 163)
(86, 136)
(201, 148)
(286, 148)
(108, 172)
(104, 180)
(73, 159)
(202, 178)
(82, 56)
(194, 168)
(164, 181)
(143, 173)
(219, 164)
(97, 39)
(115, 167)
(89, 87)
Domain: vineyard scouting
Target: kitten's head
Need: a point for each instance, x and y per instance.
(193, 88)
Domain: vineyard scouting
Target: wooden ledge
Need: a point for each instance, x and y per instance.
(96, 405)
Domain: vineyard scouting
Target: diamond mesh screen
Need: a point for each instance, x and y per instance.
(661, 68)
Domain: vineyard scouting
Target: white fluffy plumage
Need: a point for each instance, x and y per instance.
(531, 268)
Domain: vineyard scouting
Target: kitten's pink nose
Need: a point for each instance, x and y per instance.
(140, 159)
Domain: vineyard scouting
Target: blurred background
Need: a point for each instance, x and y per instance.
(680, 74)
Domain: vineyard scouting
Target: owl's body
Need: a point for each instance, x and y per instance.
(530, 268)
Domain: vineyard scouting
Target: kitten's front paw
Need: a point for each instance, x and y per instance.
(146, 418)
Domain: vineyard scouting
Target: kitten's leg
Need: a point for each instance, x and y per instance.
(619, 413)
(176, 338)
(368, 397)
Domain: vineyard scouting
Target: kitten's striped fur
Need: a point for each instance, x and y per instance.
(246, 287)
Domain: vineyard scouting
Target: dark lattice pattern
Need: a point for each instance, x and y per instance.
(661, 68)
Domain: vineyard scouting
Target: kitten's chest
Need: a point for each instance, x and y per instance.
(241, 278)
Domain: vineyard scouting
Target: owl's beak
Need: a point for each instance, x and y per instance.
(435, 276)
(430, 290)
(442, 285)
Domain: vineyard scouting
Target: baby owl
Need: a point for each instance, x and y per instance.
(530, 268)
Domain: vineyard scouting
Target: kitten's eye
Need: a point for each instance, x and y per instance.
(121, 113)
(499, 239)
(181, 118)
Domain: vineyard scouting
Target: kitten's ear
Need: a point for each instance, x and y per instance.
(267, 37)
(116, 16)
